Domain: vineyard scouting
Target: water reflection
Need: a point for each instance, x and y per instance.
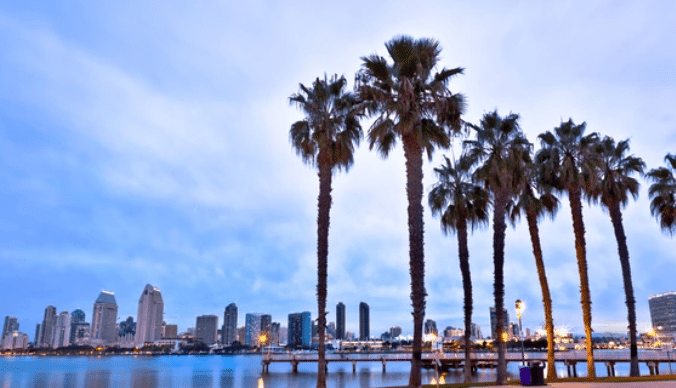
(227, 378)
(40, 380)
(97, 379)
(202, 379)
(144, 378)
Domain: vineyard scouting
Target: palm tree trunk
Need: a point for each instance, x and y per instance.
(616, 218)
(546, 297)
(414, 193)
(463, 254)
(324, 207)
(580, 251)
(499, 228)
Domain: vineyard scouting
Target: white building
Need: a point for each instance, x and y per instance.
(14, 340)
(150, 315)
(104, 319)
(62, 330)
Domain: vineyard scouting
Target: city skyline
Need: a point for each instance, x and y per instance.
(144, 145)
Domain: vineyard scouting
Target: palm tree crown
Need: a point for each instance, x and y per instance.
(331, 128)
(616, 184)
(663, 194)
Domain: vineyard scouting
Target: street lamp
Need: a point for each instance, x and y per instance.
(520, 307)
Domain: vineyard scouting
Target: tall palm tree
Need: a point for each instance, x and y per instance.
(567, 163)
(613, 189)
(326, 139)
(500, 153)
(663, 194)
(460, 202)
(414, 104)
(535, 202)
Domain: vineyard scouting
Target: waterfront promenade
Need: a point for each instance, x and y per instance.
(632, 384)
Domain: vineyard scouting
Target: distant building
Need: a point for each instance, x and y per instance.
(364, 322)
(476, 331)
(229, 330)
(127, 332)
(206, 328)
(47, 328)
(150, 315)
(451, 331)
(257, 324)
(431, 327)
(80, 333)
(104, 319)
(76, 317)
(266, 326)
(241, 335)
(340, 321)
(274, 333)
(395, 331)
(14, 340)
(299, 330)
(331, 329)
(494, 321)
(11, 325)
(663, 313)
(170, 331)
(61, 331)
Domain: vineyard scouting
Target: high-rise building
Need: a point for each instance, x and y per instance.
(257, 324)
(62, 330)
(395, 331)
(76, 317)
(431, 327)
(494, 321)
(241, 335)
(14, 340)
(340, 321)
(11, 325)
(663, 313)
(206, 328)
(127, 331)
(47, 328)
(274, 333)
(37, 335)
(364, 322)
(104, 319)
(300, 330)
(169, 331)
(229, 330)
(266, 327)
(149, 316)
(476, 331)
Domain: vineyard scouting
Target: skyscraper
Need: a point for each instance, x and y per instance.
(364, 322)
(104, 318)
(47, 328)
(77, 317)
(11, 325)
(229, 330)
(257, 324)
(494, 321)
(300, 330)
(206, 328)
(61, 330)
(274, 333)
(340, 321)
(663, 313)
(149, 316)
(431, 327)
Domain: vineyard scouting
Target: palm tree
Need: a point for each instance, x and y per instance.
(500, 151)
(326, 138)
(567, 163)
(663, 194)
(413, 104)
(612, 190)
(460, 202)
(535, 207)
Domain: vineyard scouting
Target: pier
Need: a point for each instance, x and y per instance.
(446, 361)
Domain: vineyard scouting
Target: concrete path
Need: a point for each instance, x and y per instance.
(638, 384)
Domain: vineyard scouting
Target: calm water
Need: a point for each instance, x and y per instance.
(222, 371)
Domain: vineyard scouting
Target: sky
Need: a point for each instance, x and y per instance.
(145, 142)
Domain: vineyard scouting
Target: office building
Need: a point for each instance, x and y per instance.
(169, 331)
(229, 330)
(149, 316)
(257, 324)
(274, 333)
(395, 331)
(14, 340)
(299, 331)
(47, 328)
(266, 327)
(206, 328)
(241, 335)
(364, 322)
(61, 330)
(663, 313)
(11, 325)
(476, 331)
(331, 330)
(104, 319)
(76, 318)
(494, 321)
(340, 321)
(431, 327)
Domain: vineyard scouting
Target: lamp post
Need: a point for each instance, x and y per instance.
(520, 307)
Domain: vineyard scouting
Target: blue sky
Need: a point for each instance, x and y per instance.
(148, 143)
